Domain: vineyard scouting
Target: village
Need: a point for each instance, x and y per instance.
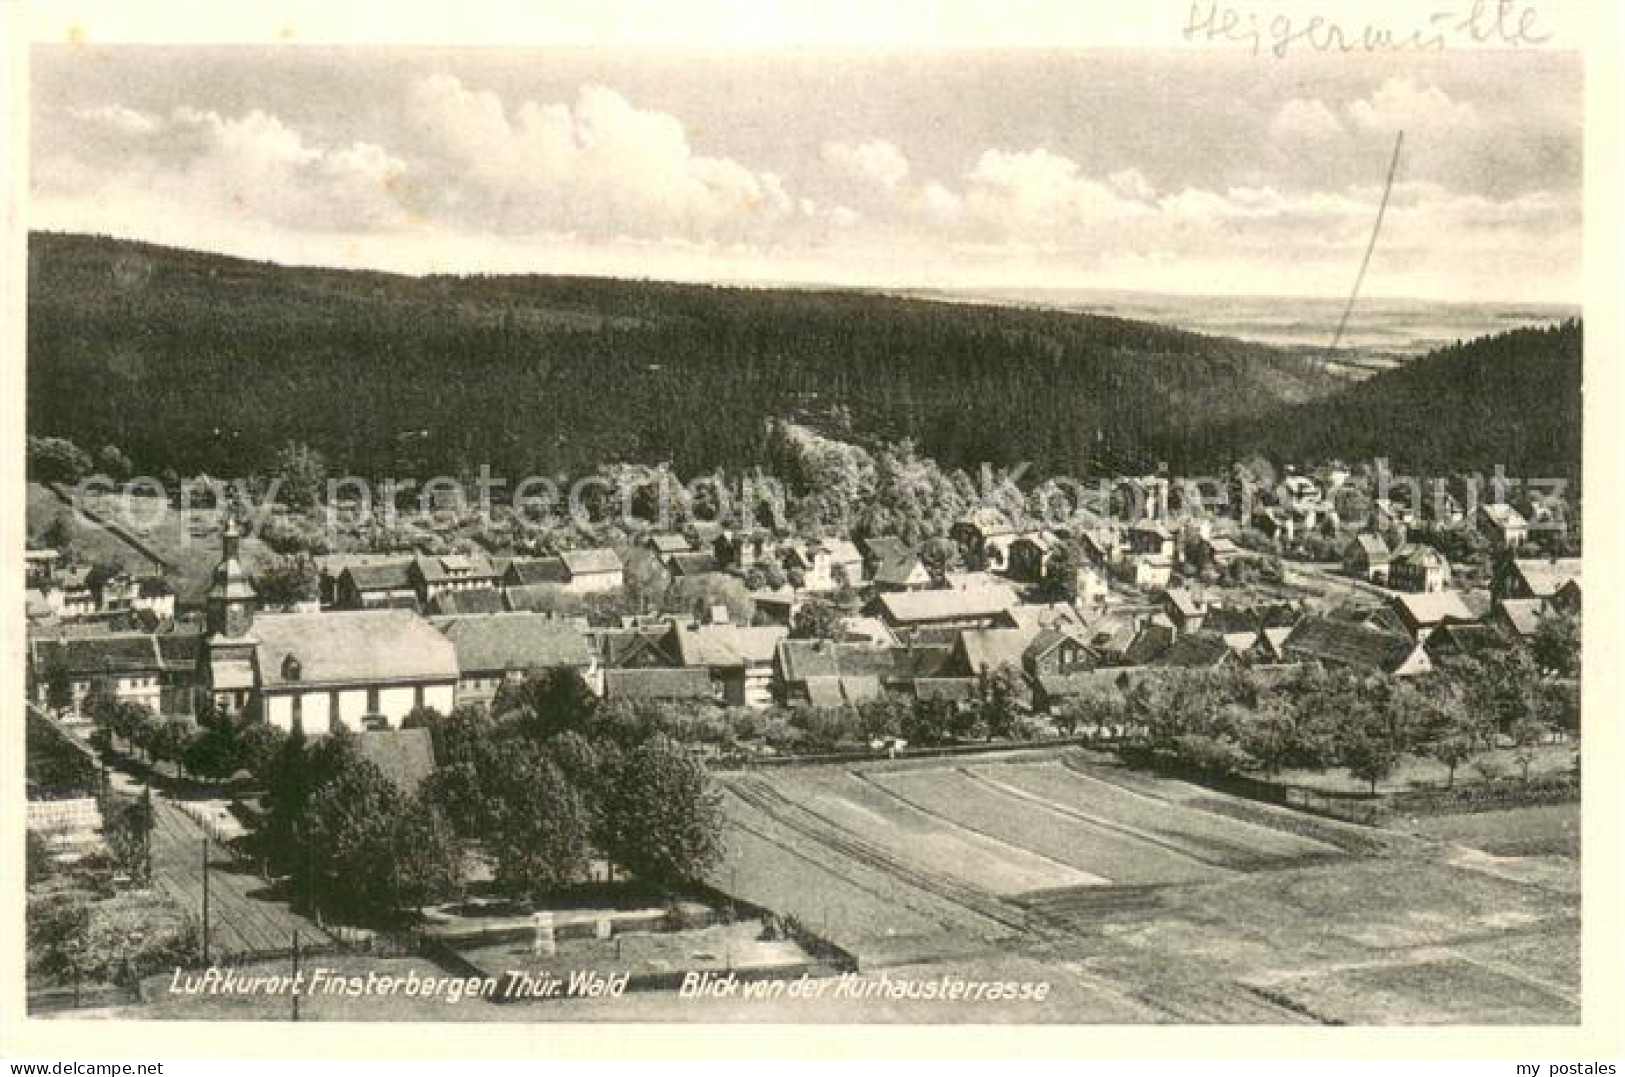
(1338, 668)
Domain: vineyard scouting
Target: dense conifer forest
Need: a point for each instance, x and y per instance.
(202, 363)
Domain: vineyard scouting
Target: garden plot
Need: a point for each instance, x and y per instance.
(850, 802)
(1105, 854)
(1212, 838)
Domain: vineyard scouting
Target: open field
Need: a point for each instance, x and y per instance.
(1546, 830)
(1183, 905)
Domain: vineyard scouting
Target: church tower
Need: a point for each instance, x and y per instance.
(231, 598)
(228, 653)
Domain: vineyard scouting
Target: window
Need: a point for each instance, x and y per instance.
(372, 701)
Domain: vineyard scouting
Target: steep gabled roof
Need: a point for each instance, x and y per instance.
(724, 646)
(500, 642)
(530, 571)
(380, 576)
(593, 561)
(351, 647)
(1347, 643)
(1546, 576)
(920, 606)
(1426, 610)
(989, 648)
(1196, 650)
(686, 683)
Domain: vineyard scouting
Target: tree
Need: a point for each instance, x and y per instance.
(644, 579)
(37, 863)
(1061, 573)
(546, 703)
(664, 820)
(1452, 751)
(58, 534)
(427, 860)
(941, 556)
(1004, 699)
(816, 619)
(57, 460)
(1556, 644)
(113, 462)
(1527, 736)
(302, 472)
(1369, 756)
(288, 581)
(539, 827)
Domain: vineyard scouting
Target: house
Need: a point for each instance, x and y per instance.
(1028, 556)
(986, 534)
(777, 607)
(638, 684)
(1149, 537)
(593, 571)
(1450, 642)
(652, 646)
(1218, 553)
(666, 543)
(1198, 650)
(1504, 524)
(980, 607)
(453, 603)
(1367, 557)
(1422, 613)
(1056, 653)
(823, 673)
(1103, 546)
(534, 572)
(352, 669)
(39, 566)
(1567, 599)
(74, 594)
(330, 567)
(432, 577)
(738, 658)
(1535, 577)
(1418, 568)
(1184, 609)
(1355, 646)
(893, 566)
(154, 595)
(156, 670)
(494, 648)
(1518, 616)
(743, 550)
(375, 585)
(980, 651)
(823, 564)
(1152, 572)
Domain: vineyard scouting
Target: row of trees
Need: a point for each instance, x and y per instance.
(545, 782)
(1240, 721)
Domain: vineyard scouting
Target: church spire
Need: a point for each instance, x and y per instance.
(231, 598)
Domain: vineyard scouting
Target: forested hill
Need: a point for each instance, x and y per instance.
(1511, 399)
(201, 362)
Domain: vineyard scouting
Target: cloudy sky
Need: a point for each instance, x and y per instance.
(1196, 172)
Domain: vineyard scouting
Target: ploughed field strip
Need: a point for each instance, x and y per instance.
(882, 859)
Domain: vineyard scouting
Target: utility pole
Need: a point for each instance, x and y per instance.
(205, 899)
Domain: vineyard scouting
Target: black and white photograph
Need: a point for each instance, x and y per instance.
(732, 534)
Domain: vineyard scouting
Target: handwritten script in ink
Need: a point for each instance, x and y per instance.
(1495, 23)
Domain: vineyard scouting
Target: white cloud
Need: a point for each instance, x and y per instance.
(1400, 104)
(600, 167)
(876, 161)
(1299, 121)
